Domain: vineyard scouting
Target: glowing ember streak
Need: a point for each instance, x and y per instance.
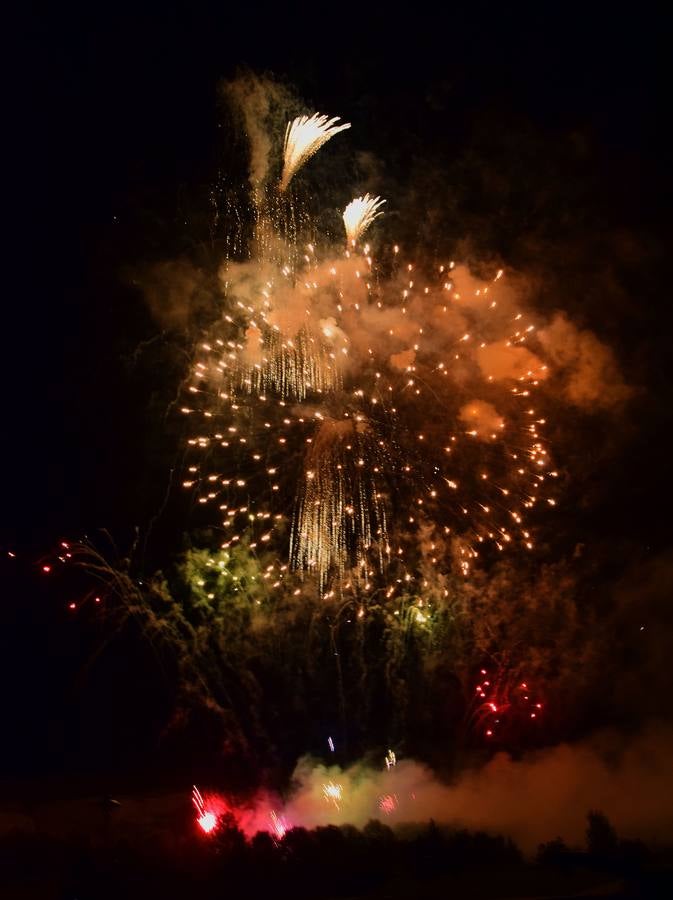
(359, 215)
(304, 136)
(391, 759)
(331, 744)
(332, 793)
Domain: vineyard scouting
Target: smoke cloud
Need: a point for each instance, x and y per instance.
(501, 360)
(482, 419)
(463, 316)
(534, 799)
(176, 292)
(263, 106)
(587, 369)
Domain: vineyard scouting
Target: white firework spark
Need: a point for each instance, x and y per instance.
(333, 793)
(359, 215)
(304, 136)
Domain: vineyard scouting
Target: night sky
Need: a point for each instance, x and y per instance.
(538, 135)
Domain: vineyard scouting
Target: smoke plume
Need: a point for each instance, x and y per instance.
(263, 105)
(534, 799)
(587, 369)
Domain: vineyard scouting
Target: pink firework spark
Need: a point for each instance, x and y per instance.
(388, 803)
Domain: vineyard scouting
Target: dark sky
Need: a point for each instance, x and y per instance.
(114, 126)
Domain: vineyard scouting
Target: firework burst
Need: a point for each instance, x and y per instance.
(359, 215)
(333, 793)
(361, 425)
(502, 704)
(388, 803)
(361, 413)
(205, 817)
(304, 136)
(279, 826)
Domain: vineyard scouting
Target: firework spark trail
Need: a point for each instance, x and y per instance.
(304, 136)
(279, 825)
(500, 700)
(205, 818)
(293, 367)
(335, 518)
(333, 793)
(359, 215)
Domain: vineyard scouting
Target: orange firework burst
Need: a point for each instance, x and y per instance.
(359, 413)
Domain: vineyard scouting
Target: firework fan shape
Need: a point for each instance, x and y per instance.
(368, 418)
(359, 215)
(304, 136)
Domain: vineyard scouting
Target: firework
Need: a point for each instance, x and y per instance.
(279, 826)
(205, 818)
(374, 430)
(388, 803)
(291, 367)
(304, 136)
(359, 215)
(501, 703)
(332, 793)
(367, 420)
(335, 519)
